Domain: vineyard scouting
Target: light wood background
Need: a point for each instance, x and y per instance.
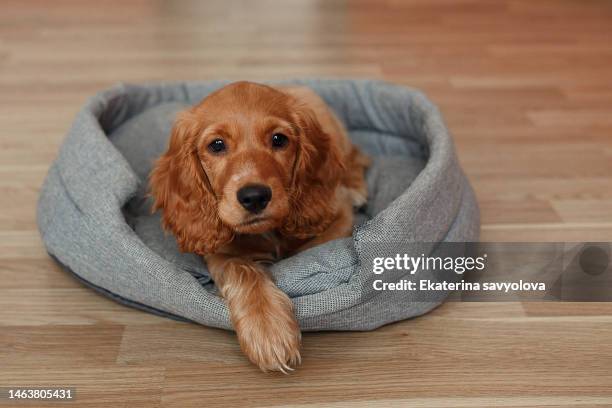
(526, 88)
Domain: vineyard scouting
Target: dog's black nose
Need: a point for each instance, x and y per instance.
(254, 197)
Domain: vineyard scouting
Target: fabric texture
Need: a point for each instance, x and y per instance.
(94, 215)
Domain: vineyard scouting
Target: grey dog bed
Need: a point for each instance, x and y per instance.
(94, 216)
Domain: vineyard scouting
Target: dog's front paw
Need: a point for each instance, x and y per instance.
(268, 332)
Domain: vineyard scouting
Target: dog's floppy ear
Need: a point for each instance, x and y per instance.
(180, 188)
(317, 172)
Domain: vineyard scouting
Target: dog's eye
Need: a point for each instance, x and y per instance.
(217, 146)
(279, 140)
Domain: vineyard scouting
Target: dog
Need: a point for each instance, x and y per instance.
(252, 174)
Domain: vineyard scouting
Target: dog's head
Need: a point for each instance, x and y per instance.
(248, 159)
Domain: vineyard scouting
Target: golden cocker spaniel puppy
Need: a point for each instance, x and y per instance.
(254, 173)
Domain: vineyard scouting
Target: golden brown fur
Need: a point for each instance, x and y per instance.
(287, 140)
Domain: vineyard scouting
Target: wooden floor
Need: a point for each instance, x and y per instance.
(526, 88)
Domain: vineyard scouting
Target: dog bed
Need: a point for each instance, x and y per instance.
(94, 214)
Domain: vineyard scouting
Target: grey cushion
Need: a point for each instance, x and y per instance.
(95, 219)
